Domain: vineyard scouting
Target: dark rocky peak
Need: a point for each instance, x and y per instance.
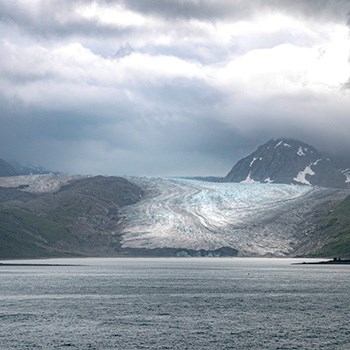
(287, 145)
(287, 161)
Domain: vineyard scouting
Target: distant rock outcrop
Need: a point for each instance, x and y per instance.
(287, 161)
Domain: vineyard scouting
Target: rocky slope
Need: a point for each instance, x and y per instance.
(287, 161)
(330, 234)
(342, 163)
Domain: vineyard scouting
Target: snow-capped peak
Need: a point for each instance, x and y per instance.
(287, 161)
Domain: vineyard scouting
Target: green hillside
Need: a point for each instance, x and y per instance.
(26, 235)
(334, 232)
(76, 220)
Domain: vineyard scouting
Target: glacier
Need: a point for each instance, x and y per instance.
(257, 219)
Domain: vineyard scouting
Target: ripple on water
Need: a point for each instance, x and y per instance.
(176, 304)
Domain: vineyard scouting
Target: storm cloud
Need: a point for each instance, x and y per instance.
(169, 87)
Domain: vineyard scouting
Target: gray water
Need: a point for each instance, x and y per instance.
(194, 303)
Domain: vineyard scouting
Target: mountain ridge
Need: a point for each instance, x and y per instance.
(287, 161)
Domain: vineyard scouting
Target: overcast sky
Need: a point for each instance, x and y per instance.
(170, 87)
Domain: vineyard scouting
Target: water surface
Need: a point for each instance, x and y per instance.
(183, 303)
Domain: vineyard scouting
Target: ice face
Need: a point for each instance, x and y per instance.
(181, 213)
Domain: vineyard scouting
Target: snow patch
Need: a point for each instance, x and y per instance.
(317, 161)
(253, 161)
(248, 180)
(346, 172)
(268, 180)
(301, 177)
(301, 151)
(279, 143)
(284, 144)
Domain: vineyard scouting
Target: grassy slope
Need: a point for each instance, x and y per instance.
(74, 219)
(335, 228)
(26, 235)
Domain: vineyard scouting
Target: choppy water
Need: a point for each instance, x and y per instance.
(175, 304)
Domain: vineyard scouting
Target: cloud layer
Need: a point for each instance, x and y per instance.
(169, 87)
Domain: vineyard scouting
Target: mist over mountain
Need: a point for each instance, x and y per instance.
(29, 169)
(14, 168)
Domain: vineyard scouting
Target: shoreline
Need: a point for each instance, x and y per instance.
(84, 261)
(335, 261)
(32, 264)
